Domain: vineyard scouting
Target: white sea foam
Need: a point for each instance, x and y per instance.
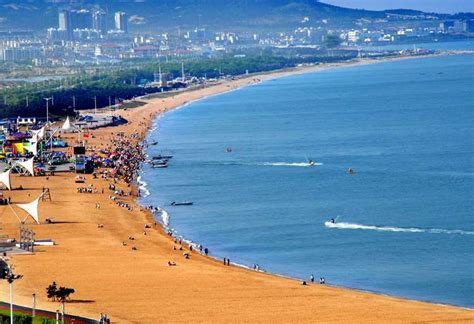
(165, 217)
(289, 164)
(352, 226)
(142, 186)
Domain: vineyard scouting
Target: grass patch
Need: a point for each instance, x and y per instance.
(22, 318)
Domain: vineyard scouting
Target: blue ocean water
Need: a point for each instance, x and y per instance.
(404, 218)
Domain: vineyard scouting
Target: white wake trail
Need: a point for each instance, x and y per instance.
(298, 164)
(352, 226)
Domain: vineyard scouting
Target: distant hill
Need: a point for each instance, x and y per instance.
(150, 14)
(218, 14)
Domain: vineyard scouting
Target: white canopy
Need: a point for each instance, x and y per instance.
(67, 125)
(27, 165)
(32, 209)
(38, 134)
(33, 147)
(5, 179)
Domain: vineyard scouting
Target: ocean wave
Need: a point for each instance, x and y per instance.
(142, 186)
(352, 226)
(164, 215)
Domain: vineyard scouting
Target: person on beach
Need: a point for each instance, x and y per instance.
(206, 251)
(311, 278)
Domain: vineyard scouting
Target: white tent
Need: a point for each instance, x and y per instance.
(32, 209)
(33, 147)
(5, 179)
(67, 125)
(27, 165)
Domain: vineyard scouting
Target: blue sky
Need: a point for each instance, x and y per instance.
(442, 6)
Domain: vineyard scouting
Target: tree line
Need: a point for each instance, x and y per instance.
(85, 91)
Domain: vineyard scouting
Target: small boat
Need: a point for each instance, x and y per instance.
(184, 203)
(160, 166)
(161, 157)
(160, 162)
(153, 143)
(311, 163)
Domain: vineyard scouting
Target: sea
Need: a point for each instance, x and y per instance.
(403, 220)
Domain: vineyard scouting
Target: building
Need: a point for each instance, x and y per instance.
(81, 19)
(146, 51)
(121, 21)
(64, 18)
(353, 36)
(459, 27)
(99, 22)
(26, 121)
(19, 54)
(69, 20)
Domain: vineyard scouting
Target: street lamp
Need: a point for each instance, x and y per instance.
(11, 277)
(33, 309)
(47, 109)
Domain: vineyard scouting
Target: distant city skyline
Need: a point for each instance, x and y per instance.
(441, 6)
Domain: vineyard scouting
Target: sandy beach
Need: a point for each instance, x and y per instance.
(137, 285)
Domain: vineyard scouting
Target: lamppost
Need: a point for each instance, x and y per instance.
(33, 309)
(47, 109)
(11, 277)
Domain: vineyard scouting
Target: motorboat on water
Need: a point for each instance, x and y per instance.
(153, 143)
(159, 162)
(161, 157)
(184, 203)
(311, 163)
(159, 166)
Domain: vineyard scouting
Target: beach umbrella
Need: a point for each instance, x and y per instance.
(5, 179)
(32, 208)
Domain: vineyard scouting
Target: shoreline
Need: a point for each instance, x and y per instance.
(265, 301)
(273, 75)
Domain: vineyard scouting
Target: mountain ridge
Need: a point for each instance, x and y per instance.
(217, 14)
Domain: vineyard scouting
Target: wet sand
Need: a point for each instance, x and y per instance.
(137, 286)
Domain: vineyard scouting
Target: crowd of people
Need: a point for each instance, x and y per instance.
(88, 189)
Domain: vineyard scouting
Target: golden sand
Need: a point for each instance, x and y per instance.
(137, 286)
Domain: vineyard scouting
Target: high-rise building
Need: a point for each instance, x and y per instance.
(65, 24)
(121, 22)
(64, 20)
(99, 21)
(81, 19)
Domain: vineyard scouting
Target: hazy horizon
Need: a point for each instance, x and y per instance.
(440, 6)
